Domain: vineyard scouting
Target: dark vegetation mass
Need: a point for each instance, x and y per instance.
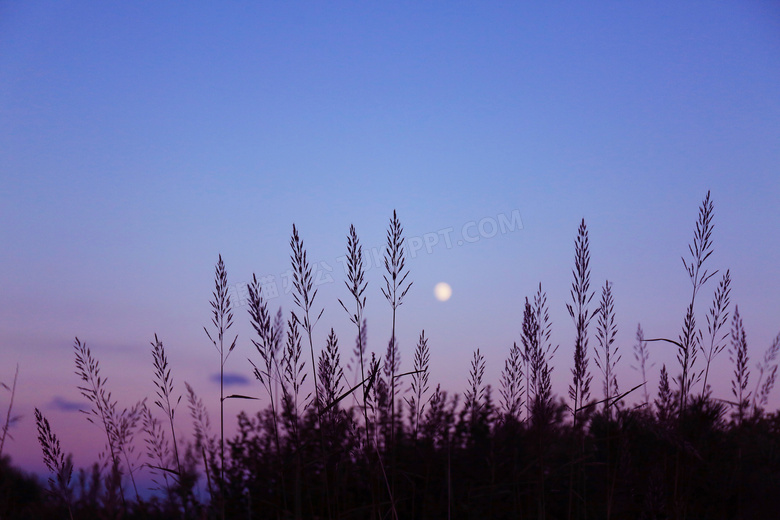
(371, 441)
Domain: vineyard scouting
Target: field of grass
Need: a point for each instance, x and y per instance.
(397, 445)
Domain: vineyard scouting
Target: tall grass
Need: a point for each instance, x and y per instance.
(394, 292)
(356, 284)
(579, 390)
(475, 392)
(157, 451)
(222, 321)
(451, 455)
(739, 357)
(606, 360)
(163, 381)
(294, 376)
(717, 317)
(268, 346)
(607, 355)
(57, 462)
(103, 413)
(642, 357)
(537, 329)
(304, 295)
(419, 384)
(690, 338)
(512, 384)
(205, 442)
(665, 404)
(767, 376)
(331, 377)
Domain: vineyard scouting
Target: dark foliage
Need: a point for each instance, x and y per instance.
(348, 453)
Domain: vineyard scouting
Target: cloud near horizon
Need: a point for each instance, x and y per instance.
(64, 405)
(231, 379)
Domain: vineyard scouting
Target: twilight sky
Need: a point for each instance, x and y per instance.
(138, 141)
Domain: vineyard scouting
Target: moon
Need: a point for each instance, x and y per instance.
(442, 291)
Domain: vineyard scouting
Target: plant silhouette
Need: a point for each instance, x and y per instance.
(339, 439)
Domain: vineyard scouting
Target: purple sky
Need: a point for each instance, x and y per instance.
(139, 141)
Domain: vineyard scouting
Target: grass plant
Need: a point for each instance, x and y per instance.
(419, 385)
(767, 376)
(103, 412)
(157, 452)
(738, 353)
(642, 357)
(511, 389)
(10, 419)
(268, 346)
(163, 381)
(356, 284)
(475, 391)
(690, 338)
(395, 290)
(579, 390)
(57, 462)
(222, 321)
(205, 442)
(717, 317)
(607, 355)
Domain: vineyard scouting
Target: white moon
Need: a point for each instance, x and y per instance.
(442, 291)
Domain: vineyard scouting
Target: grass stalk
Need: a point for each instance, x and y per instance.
(222, 320)
(394, 291)
(304, 295)
(579, 390)
(10, 420)
(738, 354)
(103, 409)
(511, 390)
(56, 461)
(690, 338)
(717, 317)
(163, 380)
(157, 451)
(475, 391)
(606, 359)
(205, 443)
(642, 356)
(767, 367)
(267, 346)
(294, 375)
(356, 284)
(417, 401)
(607, 355)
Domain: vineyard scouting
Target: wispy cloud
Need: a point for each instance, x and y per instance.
(62, 404)
(231, 379)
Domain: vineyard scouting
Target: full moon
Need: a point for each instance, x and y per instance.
(442, 291)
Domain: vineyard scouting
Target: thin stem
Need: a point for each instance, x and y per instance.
(8, 419)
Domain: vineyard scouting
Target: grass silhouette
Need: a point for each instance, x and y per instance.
(356, 447)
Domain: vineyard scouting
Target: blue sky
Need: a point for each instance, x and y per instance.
(139, 141)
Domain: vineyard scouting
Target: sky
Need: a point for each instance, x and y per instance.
(139, 141)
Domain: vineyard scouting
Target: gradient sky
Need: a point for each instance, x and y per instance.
(138, 141)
